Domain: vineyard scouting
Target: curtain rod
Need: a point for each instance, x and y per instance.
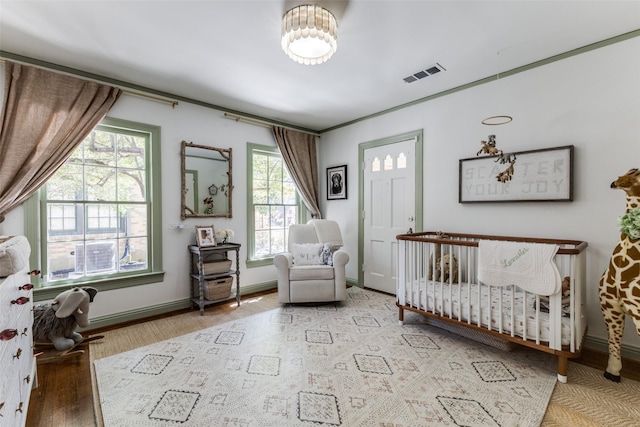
(124, 90)
(154, 98)
(238, 118)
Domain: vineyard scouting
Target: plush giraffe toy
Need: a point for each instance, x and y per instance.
(620, 283)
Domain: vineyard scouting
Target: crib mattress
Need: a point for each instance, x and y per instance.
(457, 300)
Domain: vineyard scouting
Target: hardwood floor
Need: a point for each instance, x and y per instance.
(63, 397)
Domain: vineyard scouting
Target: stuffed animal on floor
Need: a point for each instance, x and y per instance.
(447, 268)
(619, 287)
(58, 321)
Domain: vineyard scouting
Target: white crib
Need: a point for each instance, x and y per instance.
(555, 324)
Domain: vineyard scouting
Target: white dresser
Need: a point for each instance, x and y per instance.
(17, 363)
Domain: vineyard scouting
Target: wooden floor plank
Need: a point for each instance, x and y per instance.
(63, 396)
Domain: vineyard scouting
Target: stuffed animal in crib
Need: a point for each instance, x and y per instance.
(620, 283)
(447, 268)
(566, 299)
(437, 252)
(57, 322)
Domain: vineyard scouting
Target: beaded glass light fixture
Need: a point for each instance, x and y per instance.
(309, 34)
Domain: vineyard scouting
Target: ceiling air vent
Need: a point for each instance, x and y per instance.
(435, 69)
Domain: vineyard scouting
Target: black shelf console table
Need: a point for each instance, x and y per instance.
(199, 256)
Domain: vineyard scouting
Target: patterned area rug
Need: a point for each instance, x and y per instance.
(344, 364)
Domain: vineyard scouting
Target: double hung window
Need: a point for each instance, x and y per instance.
(99, 210)
(273, 203)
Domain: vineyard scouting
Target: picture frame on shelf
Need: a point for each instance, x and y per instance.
(337, 182)
(205, 236)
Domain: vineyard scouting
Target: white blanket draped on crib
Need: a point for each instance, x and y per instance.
(528, 265)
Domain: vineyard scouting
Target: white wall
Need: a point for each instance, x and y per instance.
(591, 101)
(202, 126)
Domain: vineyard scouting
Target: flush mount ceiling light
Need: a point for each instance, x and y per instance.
(309, 34)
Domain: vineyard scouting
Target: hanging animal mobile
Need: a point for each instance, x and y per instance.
(620, 283)
(489, 148)
(506, 174)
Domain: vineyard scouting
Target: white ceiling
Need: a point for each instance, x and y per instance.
(227, 53)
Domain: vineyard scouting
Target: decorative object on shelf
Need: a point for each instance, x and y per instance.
(620, 281)
(549, 177)
(337, 182)
(208, 205)
(224, 234)
(205, 236)
(58, 321)
(218, 288)
(215, 267)
(309, 34)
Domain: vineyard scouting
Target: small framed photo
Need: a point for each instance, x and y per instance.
(337, 182)
(205, 235)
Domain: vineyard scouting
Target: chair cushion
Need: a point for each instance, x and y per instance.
(302, 233)
(313, 291)
(306, 253)
(328, 231)
(311, 272)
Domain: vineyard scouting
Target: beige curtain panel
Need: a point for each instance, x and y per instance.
(46, 115)
(298, 150)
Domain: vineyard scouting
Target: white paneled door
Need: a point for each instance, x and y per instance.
(389, 209)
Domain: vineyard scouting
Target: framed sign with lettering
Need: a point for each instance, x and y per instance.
(525, 176)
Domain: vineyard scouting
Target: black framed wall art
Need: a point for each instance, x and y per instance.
(337, 182)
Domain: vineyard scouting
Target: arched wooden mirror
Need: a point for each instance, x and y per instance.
(206, 181)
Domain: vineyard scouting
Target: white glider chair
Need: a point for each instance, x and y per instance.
(314, 268)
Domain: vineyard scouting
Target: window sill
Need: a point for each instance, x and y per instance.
(261, 262)
(49, 292)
